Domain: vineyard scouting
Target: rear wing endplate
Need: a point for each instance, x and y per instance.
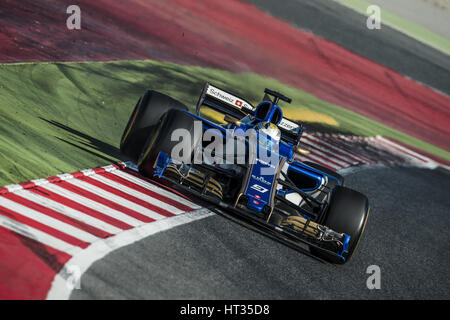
(290, 131)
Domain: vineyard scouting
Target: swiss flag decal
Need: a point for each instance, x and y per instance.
(238, 103)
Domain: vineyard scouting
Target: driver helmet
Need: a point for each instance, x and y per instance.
(269, 132)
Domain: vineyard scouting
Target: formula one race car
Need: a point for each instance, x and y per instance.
(245, 160)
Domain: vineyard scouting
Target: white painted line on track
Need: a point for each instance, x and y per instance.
(60, 290)
(395, 147)
(405, 150)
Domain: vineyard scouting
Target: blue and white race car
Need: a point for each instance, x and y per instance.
(245, 160)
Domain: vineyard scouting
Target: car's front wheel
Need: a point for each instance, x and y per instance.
(347, 213)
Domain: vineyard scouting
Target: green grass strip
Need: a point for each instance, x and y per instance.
(63, 117)
(411, 29)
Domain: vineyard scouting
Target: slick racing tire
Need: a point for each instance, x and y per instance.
(149, 109)
(326, 170)
(161, 140)
(347, 213)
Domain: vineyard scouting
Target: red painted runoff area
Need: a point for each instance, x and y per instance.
(230, 35)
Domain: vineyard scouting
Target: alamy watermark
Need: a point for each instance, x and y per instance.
(73, 22)
(374, 280)
(233, 146)
(374, 19)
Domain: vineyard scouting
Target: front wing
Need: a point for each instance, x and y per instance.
(295, 231)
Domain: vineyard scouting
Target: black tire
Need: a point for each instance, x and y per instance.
(160, 141)
(347, 213)
(149, 109)
(326, 170)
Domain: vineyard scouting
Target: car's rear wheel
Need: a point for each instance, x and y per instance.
(142, 123)
(162, 140)
(347, 213)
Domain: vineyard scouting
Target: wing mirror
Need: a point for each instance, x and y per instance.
(301, 151)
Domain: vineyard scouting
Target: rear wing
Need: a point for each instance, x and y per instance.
(224, 102)
(228, 103)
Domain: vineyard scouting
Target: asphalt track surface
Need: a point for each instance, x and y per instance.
(407, 236)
